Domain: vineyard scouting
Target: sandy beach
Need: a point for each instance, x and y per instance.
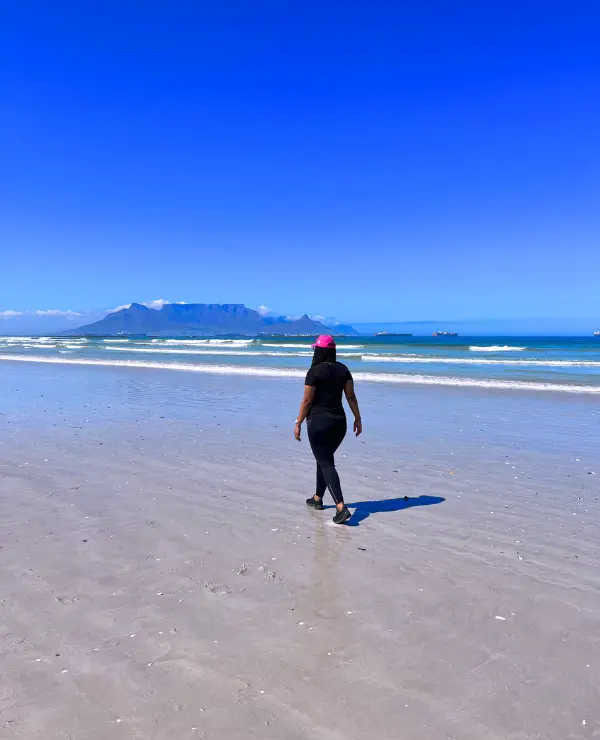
(162, 578)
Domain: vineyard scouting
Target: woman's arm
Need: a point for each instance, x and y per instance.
(308, 398)
(353, 403)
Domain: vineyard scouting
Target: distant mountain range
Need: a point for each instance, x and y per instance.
(201, 319)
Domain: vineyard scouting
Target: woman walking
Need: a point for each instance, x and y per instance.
(322, 406)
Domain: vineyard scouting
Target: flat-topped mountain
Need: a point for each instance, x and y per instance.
(190, 319)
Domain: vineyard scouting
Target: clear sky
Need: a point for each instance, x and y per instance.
(365, 160)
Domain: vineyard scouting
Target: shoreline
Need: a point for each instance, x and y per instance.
(248, 370)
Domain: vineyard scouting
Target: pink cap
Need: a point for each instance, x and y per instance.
(325, 341)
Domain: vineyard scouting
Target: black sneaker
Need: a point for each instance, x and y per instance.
(342, 516)
(314, 504)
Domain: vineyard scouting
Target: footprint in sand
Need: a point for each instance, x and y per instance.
(269, 575)
(21, 643)
(112, 642)
(216, 588)
(67, 599)
(242, 570)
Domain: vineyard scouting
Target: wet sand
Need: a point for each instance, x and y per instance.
(162, 578)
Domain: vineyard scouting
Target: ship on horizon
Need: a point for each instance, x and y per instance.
(444, 334)
(597, 333)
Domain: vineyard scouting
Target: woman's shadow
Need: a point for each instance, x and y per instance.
(363, 509)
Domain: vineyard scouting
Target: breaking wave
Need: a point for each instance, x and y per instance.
(479, 361)
(196, 342)
(268, 372)
(497, 348)
(215, 352)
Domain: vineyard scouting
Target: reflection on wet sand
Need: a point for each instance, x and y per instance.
(327, 635)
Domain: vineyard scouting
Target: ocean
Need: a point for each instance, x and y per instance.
(564, 364)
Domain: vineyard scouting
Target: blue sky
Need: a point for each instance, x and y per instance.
(369, 161)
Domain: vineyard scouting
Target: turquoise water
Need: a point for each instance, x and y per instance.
(529, 363)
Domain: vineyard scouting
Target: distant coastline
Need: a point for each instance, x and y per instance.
(201, 320)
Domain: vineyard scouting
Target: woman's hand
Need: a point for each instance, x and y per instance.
(307, 399)
(357, 427)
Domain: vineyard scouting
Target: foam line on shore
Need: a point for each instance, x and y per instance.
(479, 361)
(289, 373)
(208, 352)
(496, 348)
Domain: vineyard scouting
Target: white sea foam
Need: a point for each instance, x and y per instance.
(497, 348)
(215, 352)
(29, 345)
(289, 373)
(28, 339)
(196, 342)
(116, 340)
(478, 361)
(309, 346)
(292, 346)
(36, 345)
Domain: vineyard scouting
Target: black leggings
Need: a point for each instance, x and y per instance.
(325, 436)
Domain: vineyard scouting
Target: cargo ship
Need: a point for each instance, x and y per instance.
(444, 334)
(597, 333)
